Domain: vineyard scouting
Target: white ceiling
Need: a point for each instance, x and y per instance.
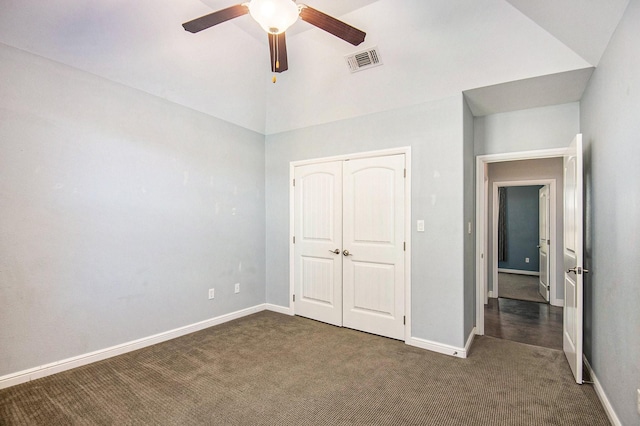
(430, 49)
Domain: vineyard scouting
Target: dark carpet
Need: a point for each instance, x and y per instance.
(272, 369)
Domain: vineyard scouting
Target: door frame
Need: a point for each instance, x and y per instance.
(406, 150)
(552, 231)
(482, 191)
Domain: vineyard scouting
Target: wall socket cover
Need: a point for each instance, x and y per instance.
(237, 288)
(211, 293)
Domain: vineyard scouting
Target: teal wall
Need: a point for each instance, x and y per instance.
(522, 228)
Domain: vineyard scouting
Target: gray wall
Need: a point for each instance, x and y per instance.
(522, 228)
(435, 132)
(118, 211)
(550, 168)
(610, 112)
(469, 218)
(537, 128)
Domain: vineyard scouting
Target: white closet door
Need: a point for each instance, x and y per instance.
(317, 248)
(373, 245)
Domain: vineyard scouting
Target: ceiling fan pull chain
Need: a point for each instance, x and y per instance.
(275, 57)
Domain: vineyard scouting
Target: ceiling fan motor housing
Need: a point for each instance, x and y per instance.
(274, 16)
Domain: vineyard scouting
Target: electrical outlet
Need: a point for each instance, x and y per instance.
(420, 226)
(211, 293)
(237, 289)
(526, 260)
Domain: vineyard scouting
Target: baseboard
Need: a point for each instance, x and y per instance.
(438, 347)
(557, 302)
(80, 360)
(467, 346)
(279, 309)
(608, 408)
(519, 272)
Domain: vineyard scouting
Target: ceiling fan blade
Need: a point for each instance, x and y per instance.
(215, 18)
(332, 25)
(278, 49)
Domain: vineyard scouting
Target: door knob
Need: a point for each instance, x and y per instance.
(346, 253)
(336, 251)
(578, 270)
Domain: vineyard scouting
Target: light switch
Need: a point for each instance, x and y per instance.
(421, 226)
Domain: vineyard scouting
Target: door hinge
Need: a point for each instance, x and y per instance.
(294, 182)
(294, 239)
(405, 173)
(294, 297)
(548, 242)
(404, 320)
(405, 246)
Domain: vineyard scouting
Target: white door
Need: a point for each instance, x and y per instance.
(573, 266)
(373, 245)
(318, 242)
(349, 244)
(544, 240)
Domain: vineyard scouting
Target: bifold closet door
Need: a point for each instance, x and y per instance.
(318, 242)
(373, 245)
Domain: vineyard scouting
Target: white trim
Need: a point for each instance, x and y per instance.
(437, 347)
(354, 156)
(552, 230)
(88, 358)
(292, 232)
(490, 295)
(406, 150)
(519, 272)
(467, 346)
(606, 404)
(482, 162)
(279, 309)
(407, 237)
(557, 302)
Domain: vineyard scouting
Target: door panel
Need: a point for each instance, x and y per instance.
(318, 231)
(543, 241)
(373, 288)
(573, 251)
(373, 263)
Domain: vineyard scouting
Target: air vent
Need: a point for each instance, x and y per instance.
(363, 60)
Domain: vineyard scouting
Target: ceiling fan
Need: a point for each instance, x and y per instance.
(275, 16)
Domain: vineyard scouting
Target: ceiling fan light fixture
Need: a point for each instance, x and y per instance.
(274, 16)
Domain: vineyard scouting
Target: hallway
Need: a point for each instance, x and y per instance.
(521, 321)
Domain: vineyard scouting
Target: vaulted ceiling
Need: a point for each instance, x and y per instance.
(430, 50)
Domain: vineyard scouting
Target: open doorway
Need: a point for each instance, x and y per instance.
(505, 315)
(522, 232)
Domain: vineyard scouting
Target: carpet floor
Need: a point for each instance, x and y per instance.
(520, 287)
(273, 369)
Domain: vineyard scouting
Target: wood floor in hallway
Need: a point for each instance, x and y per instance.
(521, 321)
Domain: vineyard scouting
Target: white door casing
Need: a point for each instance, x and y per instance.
(573, 257)
(544, 238)
(318, 233)
(483, 267)
(373, 244)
